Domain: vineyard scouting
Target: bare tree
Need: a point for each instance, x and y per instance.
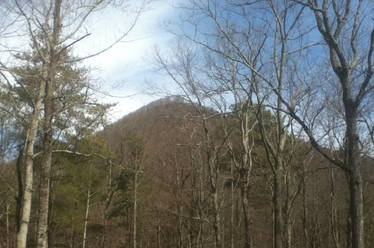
(351, 62)
(244, 43)
(213, 146)
(286, 78)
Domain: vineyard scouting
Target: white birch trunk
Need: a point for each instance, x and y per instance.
(28, 161)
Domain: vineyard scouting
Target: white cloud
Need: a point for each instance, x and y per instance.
(124, 67)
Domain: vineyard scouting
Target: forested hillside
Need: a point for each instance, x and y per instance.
(263, 136)
(162, 148)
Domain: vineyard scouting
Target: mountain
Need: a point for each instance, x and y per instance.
(176, 199)
(164, 157)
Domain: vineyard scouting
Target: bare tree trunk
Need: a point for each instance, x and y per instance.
(355, 182)
(89, 195)
(247, 219)
(25, 210)
(288, 227)
(103, 242)
(48, 129)
(232, 244)
(46, 170)
(21, 189)
(7, 224)
(200, 238)
(334, 227)
(277, 208)
(109, 196)
(72, 233)
(179, 202)
(44, 192)
(86, 217)
(356, 209)
(135, 204)
(158, 234)
(180, 225)
(305, 211)
(349, 231)
(51, 230)
(217, 221)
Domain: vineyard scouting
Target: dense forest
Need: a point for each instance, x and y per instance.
(264, 136)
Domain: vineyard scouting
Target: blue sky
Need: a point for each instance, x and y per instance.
(126, 71)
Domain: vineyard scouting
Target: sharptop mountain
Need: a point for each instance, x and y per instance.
(150, 172)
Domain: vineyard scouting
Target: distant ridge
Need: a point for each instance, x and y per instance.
(156, 121)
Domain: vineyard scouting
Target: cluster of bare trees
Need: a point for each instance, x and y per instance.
(294, 71)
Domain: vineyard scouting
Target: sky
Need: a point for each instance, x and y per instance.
(126, 72)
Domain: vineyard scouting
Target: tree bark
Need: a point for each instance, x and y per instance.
(277, 209)
(48, 128)
(45, 189)
(305, 211)
(72, 233)
(28, 161)
(135, 204)
(247, 219)
(217, 221)
(86, 217)
(7, 224)
(232, 212)
(333, 216)
(355, 182)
